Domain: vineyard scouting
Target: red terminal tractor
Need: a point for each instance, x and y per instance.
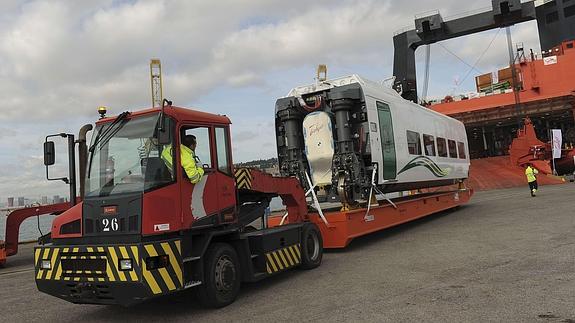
(143, 230)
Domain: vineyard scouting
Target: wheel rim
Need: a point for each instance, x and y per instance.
(341, 190)
(225, 274)
(313, 246)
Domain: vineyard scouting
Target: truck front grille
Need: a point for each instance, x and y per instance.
(83, 265)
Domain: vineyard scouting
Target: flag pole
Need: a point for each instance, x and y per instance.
(553, 151)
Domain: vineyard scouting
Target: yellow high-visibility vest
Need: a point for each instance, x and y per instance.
(530, 172)
(188, 160)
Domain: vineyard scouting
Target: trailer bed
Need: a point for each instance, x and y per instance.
(343, 226)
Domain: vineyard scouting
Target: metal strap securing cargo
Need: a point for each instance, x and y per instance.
(374, 187)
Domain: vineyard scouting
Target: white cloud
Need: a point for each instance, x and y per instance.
(63, 58)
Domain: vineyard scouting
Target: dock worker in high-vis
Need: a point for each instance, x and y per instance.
(531, 174)
(187, 157)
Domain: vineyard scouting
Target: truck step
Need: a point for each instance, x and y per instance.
(191, 284)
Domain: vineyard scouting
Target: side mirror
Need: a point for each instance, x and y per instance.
(50, 159)
(49, 153)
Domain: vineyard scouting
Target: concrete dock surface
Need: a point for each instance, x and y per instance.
(504, 257)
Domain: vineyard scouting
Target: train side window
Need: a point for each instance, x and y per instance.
(452, 149)
(429, 145)
(413, 143)
(461, 149)
(441, 147)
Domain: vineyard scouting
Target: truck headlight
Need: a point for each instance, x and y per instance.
(45, 264)
(125, 264)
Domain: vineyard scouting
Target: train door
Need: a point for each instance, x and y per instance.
(387, 141)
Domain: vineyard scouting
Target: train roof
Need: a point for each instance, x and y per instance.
(368, 86)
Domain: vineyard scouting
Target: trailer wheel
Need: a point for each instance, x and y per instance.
(312, 247)
(222, 276)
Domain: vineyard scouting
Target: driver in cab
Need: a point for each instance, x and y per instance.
(188, 158)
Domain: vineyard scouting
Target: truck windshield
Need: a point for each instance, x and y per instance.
(131, 160)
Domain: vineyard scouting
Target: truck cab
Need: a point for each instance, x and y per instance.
(143, 229)
(127, 168)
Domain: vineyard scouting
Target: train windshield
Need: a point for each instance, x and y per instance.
(126, 156)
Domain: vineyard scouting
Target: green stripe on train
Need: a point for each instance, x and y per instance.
(422, 161)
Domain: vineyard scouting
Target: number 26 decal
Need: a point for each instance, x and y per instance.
(110, 225)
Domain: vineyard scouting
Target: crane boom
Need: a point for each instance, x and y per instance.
(156, 82)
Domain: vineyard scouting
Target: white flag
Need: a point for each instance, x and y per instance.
(556, 133)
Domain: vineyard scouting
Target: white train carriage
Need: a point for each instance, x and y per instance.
(341, 131)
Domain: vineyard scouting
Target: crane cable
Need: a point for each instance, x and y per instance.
(459, 58)
(480, 57)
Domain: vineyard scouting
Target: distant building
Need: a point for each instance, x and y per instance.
(20, 201)
(56, 199)
(44, 200)
(10, 202)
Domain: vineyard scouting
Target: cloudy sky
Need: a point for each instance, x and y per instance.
(60, 60)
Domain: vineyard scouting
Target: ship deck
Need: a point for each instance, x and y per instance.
(498, 173)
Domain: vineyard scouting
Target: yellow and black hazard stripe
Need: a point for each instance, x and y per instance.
(102, 264)
(90, 263)
(169, 278)
(116, 253)
(282, 259)
(243, 178)
(49, 254)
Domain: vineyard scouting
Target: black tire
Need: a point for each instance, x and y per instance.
(222, 276)
(312, 247)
